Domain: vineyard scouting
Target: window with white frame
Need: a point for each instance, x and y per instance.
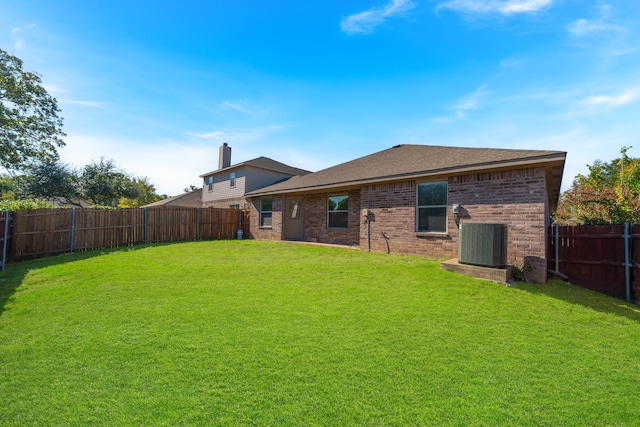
(210, 182)
(338, 212)
(432, 207)
(266, 212)
(232, 179)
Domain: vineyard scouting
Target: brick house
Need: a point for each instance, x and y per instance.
(401, 200)
(226, 186)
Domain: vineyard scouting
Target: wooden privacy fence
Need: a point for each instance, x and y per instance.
(43, 232)
(604, 258)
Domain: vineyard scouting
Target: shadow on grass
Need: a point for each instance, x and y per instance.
(13, 276)
(581, 296)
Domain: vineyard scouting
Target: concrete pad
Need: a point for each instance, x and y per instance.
(500, 275)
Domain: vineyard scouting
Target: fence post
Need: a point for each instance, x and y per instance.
(145, 226)
(627, 273)
(6, 236)
(73, 229)
(197, 223)
(557, 245)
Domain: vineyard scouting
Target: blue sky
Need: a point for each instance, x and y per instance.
(159, 86)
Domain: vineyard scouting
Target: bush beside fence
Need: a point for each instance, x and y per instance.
(44, 232)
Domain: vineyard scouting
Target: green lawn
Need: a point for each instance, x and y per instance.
(259, 333)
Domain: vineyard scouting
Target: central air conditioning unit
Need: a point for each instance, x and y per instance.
(482, 244)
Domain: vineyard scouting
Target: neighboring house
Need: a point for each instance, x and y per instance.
(226, 186)
(191, 199)
(401, 200)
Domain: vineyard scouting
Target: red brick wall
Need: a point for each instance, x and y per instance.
(315, 219)
(267, 233)
(515, 198)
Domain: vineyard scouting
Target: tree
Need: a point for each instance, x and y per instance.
(8, 185)
(101, 183)
(104, 184)
(30, 129)
(609, 194)
(50, 179)
(146, 194)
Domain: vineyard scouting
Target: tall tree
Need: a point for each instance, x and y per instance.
(146, 194)
(30, 128)
(609, 194)
(104, 184)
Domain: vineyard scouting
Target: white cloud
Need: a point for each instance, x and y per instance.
(209, 135)
(365, 22)
(95, 104)
(243, 107)
(18, 35)
(490, 7)
(580, 27)
(238, 135)
(238, 106)
(583, 27)
(513, 63)
(627, 96)
(466, 103)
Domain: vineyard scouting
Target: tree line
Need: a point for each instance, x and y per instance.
(100, 184)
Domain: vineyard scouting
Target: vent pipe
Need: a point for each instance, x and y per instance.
(224, 160)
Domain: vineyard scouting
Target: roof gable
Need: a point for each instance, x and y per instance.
(188, 199)
(262, 163)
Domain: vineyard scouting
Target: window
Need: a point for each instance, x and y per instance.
(338, 211)
(232, 179)
(294, 209)
(210, 182)
(432, 207)
(266, 210)
(234, 206)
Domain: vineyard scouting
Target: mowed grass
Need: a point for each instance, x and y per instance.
(260, 333)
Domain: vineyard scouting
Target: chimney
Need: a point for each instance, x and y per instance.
(224, 161)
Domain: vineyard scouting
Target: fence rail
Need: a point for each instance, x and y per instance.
(604, 258)
(43, 232)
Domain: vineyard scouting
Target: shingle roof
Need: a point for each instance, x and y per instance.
(263, 163)
(192, 199)
(409, 161)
